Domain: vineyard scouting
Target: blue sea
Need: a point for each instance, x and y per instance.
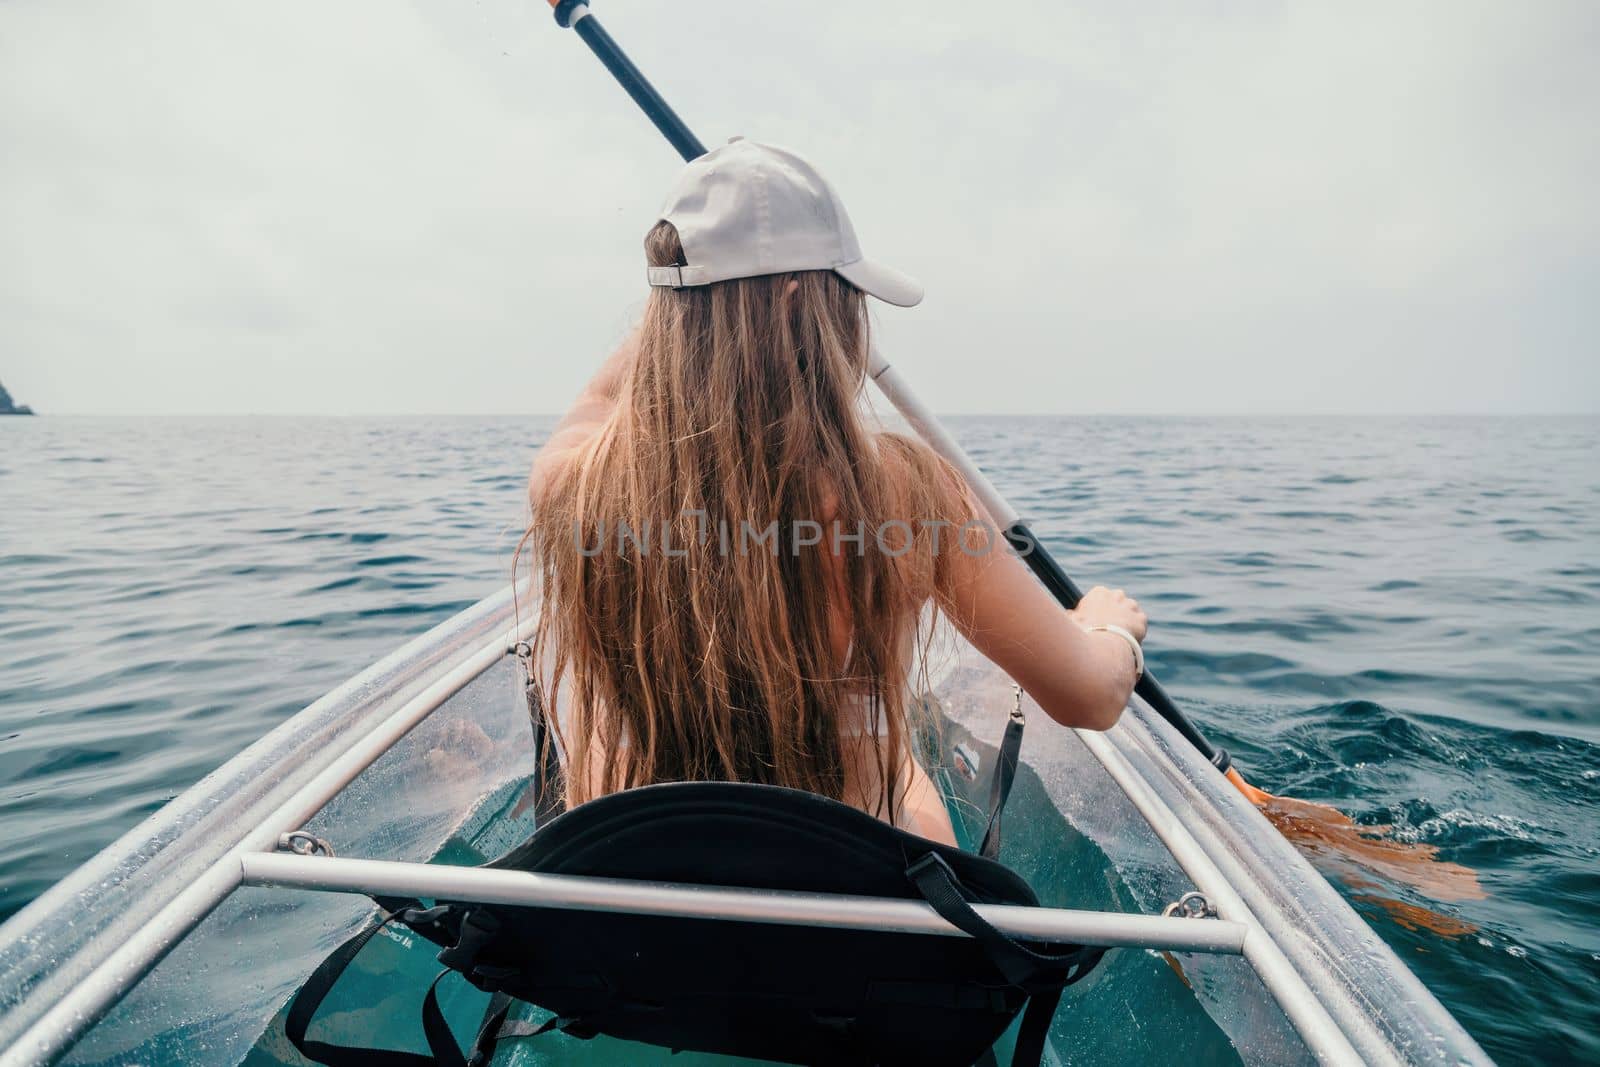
(1398, 616)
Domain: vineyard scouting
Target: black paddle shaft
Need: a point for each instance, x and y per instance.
(1067, 594)
(575, 14)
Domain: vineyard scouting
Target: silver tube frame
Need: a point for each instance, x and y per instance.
(54, 1032)
(1413, 1026)
(524, 888)
(49, 1017)
(1328, 1018)
(1323, 1036)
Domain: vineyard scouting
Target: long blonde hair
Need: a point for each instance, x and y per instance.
(711, 657)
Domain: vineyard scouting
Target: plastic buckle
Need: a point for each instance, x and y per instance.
(477, 930)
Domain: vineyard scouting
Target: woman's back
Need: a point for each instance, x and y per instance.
(714, 592)
(731, 560)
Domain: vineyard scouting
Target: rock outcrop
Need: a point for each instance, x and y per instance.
(8, 408)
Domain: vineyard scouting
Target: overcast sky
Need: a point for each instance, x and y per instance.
(365, 206)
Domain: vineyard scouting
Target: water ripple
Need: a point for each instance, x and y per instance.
(1396, 616)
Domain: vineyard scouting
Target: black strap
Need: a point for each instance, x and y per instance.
(1035, 1028)
(442, 1048)
(1042, 975)
(1005, 772)
(547, 801)
(315, 991)
(1021, 965)
(476, 929)
(441, 1042)
(490, 1029)
(489, 1037)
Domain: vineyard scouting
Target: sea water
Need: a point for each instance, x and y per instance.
(1397, 616)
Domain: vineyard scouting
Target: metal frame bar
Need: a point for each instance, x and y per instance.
(1237, 931)
(1348, 974)
(1332, 1024)
(54, 1032)
(1326, 1028)
(1324, 1037)
(252, 862)
(59, 940)
(488, 886)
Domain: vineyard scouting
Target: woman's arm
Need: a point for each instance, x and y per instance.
(1079, 678)
(588, 413)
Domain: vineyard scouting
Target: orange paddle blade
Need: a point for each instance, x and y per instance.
(1258, 797)
(1353, 852)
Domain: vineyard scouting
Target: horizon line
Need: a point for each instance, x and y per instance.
(943, 414)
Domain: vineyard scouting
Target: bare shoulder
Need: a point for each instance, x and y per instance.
(903, 457)
(551, 465)
(920, 479)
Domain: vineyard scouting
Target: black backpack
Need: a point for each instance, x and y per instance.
(791, 993)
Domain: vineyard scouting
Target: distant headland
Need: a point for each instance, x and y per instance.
(8, 408)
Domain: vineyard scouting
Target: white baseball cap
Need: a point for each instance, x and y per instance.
(745, 209)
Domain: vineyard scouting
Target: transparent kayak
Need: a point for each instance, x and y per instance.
(185, 940)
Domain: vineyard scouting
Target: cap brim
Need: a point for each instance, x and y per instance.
(885, 283)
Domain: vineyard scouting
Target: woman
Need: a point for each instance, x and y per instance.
(734, 565)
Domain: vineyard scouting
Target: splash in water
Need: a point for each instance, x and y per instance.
(1352, 852)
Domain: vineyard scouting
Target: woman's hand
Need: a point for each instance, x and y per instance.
(1112, 607)
(1079, 679)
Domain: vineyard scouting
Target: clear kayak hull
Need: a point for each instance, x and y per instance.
(156, 951)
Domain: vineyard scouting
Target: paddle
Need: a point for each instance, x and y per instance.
(1314, 825)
